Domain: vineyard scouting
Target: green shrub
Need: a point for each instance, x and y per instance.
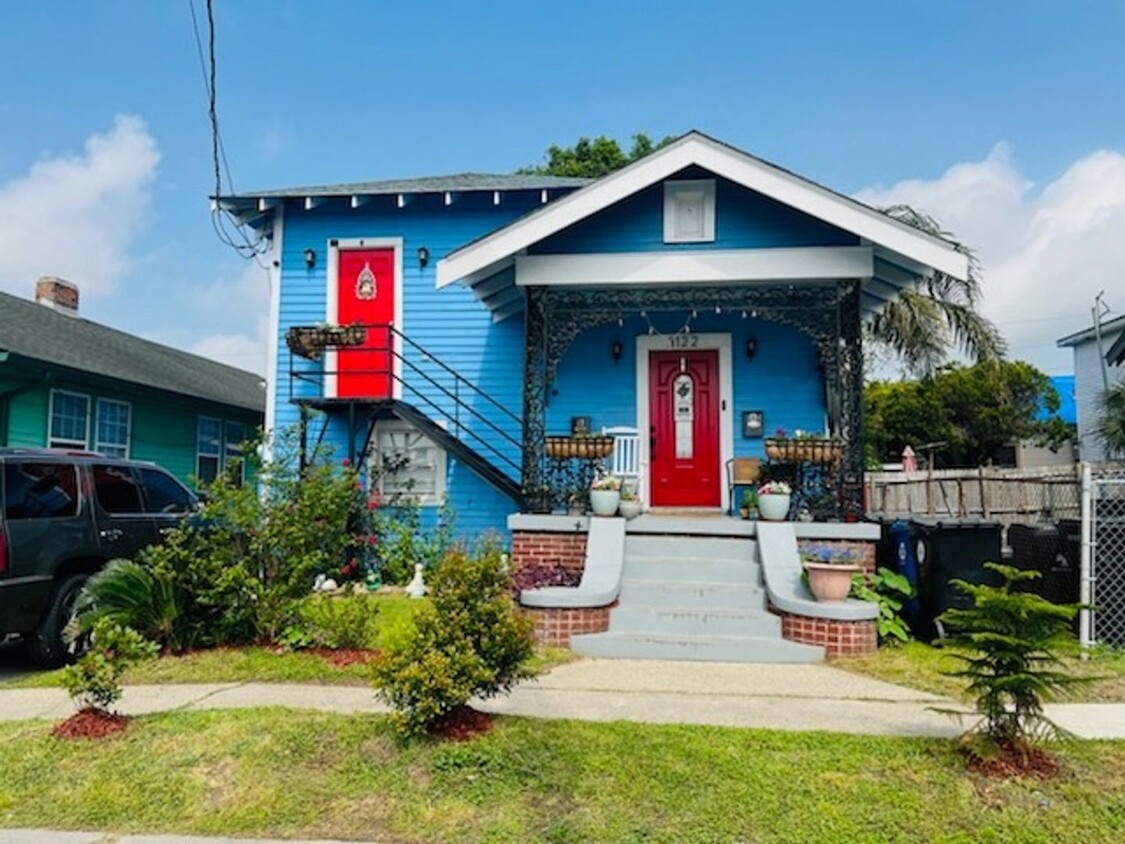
(1012, 642)
(890, 591)
(471, 640)
(95, 680)
(341, 621)
(131, 595)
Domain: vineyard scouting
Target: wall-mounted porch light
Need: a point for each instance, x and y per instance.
(615, 350)
(751, 347)
(423, 257)
(310, 258)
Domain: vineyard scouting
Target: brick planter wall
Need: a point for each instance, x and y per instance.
(554, 627)
(549, 551)
(839, 638)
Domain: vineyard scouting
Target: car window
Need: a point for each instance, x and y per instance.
(116, 489)
(163, 493)
(40, 490)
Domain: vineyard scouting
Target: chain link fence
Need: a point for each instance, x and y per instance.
(1105, 516)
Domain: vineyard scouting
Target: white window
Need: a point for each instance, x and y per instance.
(689, 211)
(234, 462)
(69, 420)
(406, 462)
(112, 427)
(208, 449)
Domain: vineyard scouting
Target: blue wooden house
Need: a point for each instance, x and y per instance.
(701, 296)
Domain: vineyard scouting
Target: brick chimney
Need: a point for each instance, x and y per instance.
(57, 293)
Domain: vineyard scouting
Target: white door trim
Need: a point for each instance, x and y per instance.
(332, 305)
(696, 342)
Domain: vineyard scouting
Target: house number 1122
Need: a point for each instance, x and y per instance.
(683, 341)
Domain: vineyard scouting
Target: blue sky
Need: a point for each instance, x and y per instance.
(1004, 119)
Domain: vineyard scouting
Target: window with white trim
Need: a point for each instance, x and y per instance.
(208, 452)
(406, 462)
(111, 427)
(69, 420)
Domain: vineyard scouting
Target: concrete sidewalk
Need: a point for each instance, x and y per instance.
(786, 697)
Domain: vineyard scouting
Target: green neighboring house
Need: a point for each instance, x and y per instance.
(66, 382)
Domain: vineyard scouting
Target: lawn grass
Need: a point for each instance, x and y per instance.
(269, 772)
(921, 666)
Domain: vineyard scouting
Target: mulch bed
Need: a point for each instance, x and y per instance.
(343, 657)
(90, 723)
(461, 724)
(1014, 762)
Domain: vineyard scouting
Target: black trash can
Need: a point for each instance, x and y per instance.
(1053, 552)
(895, 551)
(952, 548)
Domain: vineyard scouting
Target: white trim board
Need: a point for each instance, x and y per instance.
(274, 352)
(697, 266)
(696, 149)
(660, 343)
(332, 305)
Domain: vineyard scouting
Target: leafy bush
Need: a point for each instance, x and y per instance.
(890, 591)
(95, 680)
(131, 595)
(343, 621)
(470, 641)
(1013, 641)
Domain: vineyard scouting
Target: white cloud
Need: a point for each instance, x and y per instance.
(74, 216)
(1045, 252)
(247, 301)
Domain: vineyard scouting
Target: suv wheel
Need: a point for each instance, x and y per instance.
(46, 645)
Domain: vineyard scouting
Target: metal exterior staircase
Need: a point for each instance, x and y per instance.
(693, 598)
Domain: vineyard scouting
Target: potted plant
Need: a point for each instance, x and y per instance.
(773, 501)
(749, 503)
(803, 446)
(830, 571)
(309, 341)
(605, 495)
(629, 505)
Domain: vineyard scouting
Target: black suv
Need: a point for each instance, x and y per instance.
(63, 516)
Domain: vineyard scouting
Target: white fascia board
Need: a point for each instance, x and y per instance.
(696, 266)
(695, 149)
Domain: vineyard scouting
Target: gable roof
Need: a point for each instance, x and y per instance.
(1115, 324)
(907, 252)
(38, 332)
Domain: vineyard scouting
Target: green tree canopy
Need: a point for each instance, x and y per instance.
(974, 410)
(594, 158)
(1111, 423)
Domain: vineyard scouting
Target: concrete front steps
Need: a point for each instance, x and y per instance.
(693, 598)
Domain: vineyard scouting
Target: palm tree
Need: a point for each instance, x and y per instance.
(925, 324)
(1111, 425)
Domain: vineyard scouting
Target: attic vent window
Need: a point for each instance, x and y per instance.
(689, 211)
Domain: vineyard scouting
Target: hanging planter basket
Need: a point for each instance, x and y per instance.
(583, 448)
(805, 450)
(310, 341)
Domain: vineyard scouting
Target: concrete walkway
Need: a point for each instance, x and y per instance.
(785, 697)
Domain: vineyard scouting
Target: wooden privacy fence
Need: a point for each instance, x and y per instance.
(1007, 496)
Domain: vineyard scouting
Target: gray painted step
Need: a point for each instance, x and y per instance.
(708, 547)
(693, 569)
(692, 594)
(694, 648)
(633, 618)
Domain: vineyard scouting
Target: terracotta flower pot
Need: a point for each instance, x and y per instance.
(830, 583)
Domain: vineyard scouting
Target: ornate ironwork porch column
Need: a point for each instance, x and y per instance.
(850, 384)
(535, 388)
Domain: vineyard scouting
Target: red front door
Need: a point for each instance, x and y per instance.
(684, 414)
(365, 293)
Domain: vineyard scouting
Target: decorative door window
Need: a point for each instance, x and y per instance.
(365, 284)
(683, 414)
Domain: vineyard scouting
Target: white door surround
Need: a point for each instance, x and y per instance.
(687, 342)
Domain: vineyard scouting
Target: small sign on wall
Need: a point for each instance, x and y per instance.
(753, 423)
(579, 426)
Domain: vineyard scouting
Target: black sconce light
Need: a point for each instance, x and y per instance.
(310, 258)
(423, 257)
(751, 347)
(615, 350)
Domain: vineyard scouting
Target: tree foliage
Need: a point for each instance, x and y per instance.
(924, 325)
(1111, 422)
(594, 158)
(974, 410)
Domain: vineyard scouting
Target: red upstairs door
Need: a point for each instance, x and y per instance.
(684, 440)
(365, 293)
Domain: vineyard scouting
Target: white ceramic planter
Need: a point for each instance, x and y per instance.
(604, 501)
(629, 509)
(773, 507)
